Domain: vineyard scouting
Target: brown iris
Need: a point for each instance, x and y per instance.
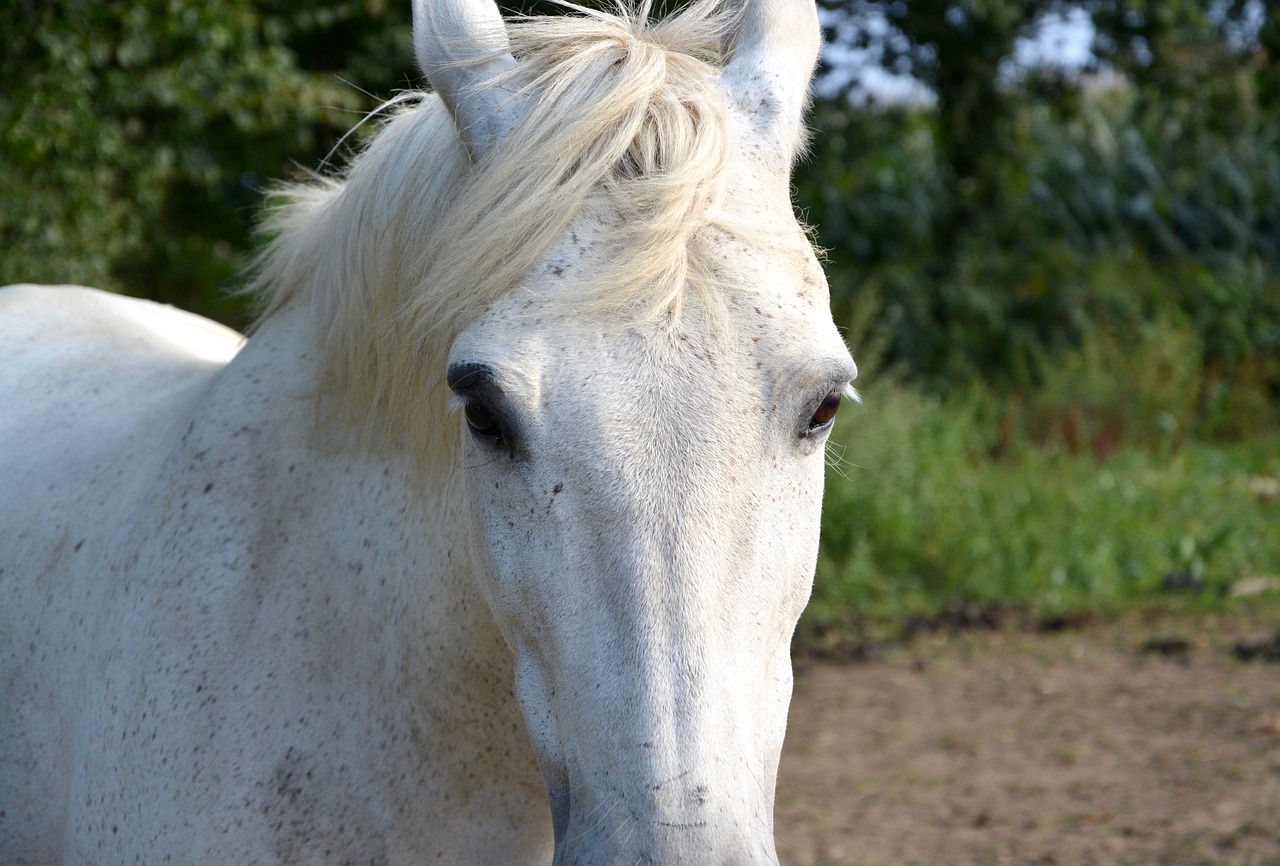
(825, 413)
(481, 421)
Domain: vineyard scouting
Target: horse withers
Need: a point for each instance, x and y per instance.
(488, 545)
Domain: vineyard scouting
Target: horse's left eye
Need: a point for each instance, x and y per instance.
(825, 415)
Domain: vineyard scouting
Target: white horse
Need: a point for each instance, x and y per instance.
(489, 545)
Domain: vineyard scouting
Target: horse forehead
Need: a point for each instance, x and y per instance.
(766, 316)
(781, 321)
(764, 309)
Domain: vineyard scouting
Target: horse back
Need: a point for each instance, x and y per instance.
(95, 389)
(91, 384)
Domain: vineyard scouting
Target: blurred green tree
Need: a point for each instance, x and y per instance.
(1028, 206)
(133, 153)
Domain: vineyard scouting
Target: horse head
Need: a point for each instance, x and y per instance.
(644, 414)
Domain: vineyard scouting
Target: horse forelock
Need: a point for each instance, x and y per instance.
(412, 243)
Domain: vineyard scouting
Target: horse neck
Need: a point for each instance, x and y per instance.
(347, 523)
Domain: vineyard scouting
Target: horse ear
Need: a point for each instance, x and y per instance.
(462, 47)
(770, 52)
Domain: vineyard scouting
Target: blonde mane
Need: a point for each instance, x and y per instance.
(412, 243)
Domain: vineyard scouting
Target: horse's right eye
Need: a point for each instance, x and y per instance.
(482, 424)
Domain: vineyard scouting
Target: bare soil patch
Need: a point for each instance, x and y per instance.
(1144, 743)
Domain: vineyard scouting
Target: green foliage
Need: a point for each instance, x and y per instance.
(1081, 497)
(926, 526)
(958, 49)
(136, 145)
(1172, 47)
(1098, 192)
(995, 226)
(1141, 388)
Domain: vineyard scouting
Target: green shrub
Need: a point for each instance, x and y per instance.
(1087, 494)
(134, 150)
(1113, 208)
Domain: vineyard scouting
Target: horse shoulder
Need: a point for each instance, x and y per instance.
(93, 387)
(94, 390)
(98, 359)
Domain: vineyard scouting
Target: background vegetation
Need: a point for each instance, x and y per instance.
(1063, 284)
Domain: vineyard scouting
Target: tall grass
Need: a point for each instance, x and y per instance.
(1091, 491)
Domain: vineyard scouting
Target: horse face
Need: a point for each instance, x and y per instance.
(649, 495)
(647, 487)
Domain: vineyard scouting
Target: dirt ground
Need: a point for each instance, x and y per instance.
(1133, 744)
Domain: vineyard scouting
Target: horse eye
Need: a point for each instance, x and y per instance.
(825, 415)
(482, 423)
